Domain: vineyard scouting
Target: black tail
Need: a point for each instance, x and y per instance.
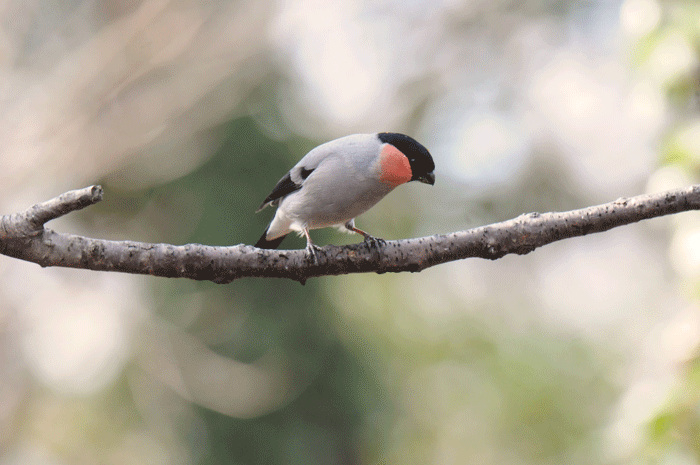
(263, 243)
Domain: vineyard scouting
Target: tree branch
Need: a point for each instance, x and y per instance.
(23, 236)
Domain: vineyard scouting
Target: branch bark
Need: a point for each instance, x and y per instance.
(23, 235)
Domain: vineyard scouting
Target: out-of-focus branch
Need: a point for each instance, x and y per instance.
(23, 236)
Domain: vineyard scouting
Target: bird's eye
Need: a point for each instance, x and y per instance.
(305, 173)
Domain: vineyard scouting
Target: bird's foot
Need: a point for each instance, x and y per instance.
(370, 239)
(311, 249)
(374, 241)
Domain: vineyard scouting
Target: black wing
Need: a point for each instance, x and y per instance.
(285, 186)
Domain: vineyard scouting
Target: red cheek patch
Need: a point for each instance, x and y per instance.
(394, 166)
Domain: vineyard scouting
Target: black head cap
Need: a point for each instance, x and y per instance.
(422, 164)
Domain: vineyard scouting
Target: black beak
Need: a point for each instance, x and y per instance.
(428, 178)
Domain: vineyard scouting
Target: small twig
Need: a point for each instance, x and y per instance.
(32, 220)
(23, 236)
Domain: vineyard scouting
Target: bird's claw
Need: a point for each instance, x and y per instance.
(375, 241)
(311, 252)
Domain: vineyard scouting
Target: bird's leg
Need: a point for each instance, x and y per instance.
(376, 241)
(310, 246)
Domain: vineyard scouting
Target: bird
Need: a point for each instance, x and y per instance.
(341, 179)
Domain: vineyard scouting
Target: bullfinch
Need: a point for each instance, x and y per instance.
(341, 179)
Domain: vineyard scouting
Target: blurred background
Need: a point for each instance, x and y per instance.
(188, 112)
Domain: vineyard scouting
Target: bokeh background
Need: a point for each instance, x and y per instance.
(188, 112)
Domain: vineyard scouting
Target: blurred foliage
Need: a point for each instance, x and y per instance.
(673, 432)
